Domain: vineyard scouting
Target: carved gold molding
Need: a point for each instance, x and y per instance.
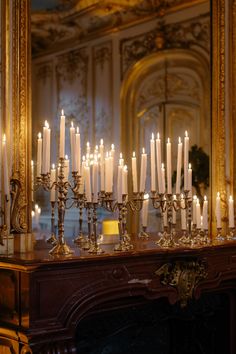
(20, 99)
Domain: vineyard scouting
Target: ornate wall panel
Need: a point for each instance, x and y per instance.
(103, 91)
(72, 90)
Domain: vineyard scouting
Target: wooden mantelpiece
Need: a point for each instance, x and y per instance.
(43, 299)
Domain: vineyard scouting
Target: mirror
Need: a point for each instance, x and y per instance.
(122, 71)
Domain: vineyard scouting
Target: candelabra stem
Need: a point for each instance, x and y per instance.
(52, 239)
(124, 240)
(95, 248)
(61, 247)
(79, 240)
(143, 234)
(87, 244)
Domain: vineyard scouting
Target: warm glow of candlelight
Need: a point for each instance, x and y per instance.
(158, 136)
(32, 163)
(152, 136)
(186, 133)
(46, 124)
(179, 140)
(62, 112)
(121, 155)
(53, 166)
(189, 166)
(39, 136)
(72, 124)
(146, 196)
(101, 142)
(133, 153)
(143, 150)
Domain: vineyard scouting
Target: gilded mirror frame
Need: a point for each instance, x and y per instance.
(17, 92)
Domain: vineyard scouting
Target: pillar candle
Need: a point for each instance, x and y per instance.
(77, 152)
(125, 180)
(198, 214)
(119, 184)
(186, 157)
(95, 181)
(218, 211)
(183, 215)
(163, 183)
(66, 168)
(158, 155)
(5, 167)
(39, 155)
(134, 173)
(53, 186)
(87, 183)
(231, 212)
(169, 169)
(190, 179)
(194, 210)
(72, 148)
(179, 166)
(145, 210)
(32, 180)
(205, 214)
(153, 163)
(62, 135)
(143, 171)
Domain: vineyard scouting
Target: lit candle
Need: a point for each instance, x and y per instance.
(134, 173)
(107, 172)
(112, 151)
(119, 184)
(87, 182)
(163, 184)
(45, 158)
(5, 167)
(169, 169)
(32, 180)
(179, 166)
(81, 187)
(143, 171)
(125, 180)
(88, 148)
(153, 163)
(158, 154)
(111, 163)
(95, 180)
(218, 211)
(77, 151)
(186, 153)
(52, 182)
(183, 214)
(194, 210)
(62, 135)
(121, 160)
(66, 168)
(190, 179)
(39, 155)
(231, 212)
(145, 210)
(72, 147)
(102, 169)
(205, 214)
(198, 214)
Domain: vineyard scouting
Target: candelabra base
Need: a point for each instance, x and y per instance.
(79, 240)
(123, 246)
(86, 244)
(61, 249)
(219, 236)
(95, 249)
(231, 236)
(143, 234)
(185, 239)
(52, 240)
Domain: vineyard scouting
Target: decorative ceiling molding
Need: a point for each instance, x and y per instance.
(77, 20)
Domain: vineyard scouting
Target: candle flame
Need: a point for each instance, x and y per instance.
(72, 124)
(152, 136)
(39, 136)
(39, 211)
(96, 147)
(168, 140)
(83, 158)
(146, 196)
(46, 124)
(101, 142)
(32, 163)
(179, 140)
(125, 168)
(186, 133)
(66, 157)
(218, 194)
(62, 112)
(195, 197)
(158, 135)
(133, 153)
(163, 166)
(112, 146)
(77, 130)
(174, 196)
(189, 166)
(88, 145)
(205, 197)
(143, 150)
(121, 155)
(36, 207)
(4, 138)
(230, 198)
(32, 213)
